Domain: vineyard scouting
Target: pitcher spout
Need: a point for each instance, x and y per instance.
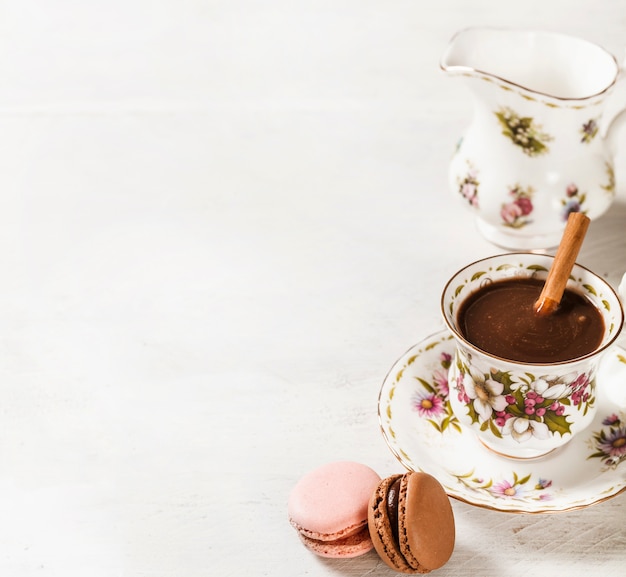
(555, 66)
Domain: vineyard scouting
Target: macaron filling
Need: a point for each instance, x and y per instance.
(393, 503)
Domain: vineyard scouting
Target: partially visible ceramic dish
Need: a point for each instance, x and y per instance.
(424, 434)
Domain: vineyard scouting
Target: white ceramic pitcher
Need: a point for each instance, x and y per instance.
(534, 151)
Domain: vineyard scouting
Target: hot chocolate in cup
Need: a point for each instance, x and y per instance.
(521, 403)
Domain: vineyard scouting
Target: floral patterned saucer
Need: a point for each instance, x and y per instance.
(421, 430)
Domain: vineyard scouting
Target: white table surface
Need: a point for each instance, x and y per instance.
(220, 224)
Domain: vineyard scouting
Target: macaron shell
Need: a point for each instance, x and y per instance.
(346, 547)
(342, 534)
(426, 522)
(380, 528)
(330, 502)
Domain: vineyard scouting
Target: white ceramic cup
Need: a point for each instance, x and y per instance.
(519, 409)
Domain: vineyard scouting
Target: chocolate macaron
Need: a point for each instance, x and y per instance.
(411, 523)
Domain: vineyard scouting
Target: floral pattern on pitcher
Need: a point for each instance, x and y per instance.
(525, 408)
(609, 444)
(468, 186)
(523, 132)
(573, 201)
(515, 213)
(610, 185)
(589, 130)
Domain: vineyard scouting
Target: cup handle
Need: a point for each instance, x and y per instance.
(612, 374)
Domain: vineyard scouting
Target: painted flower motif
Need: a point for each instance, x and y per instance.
(513, 487)
(550, 389)
(569, 207)
(502, 417)
(523, 202)
(441, 380)
(428, 404)
(614, 445)
(523, 132)
(526, 406)
(543, 483)
(523, 429)
(589, 131)
(573, 201)
(432, 401)
(468, 186)
(609, 187)
(515, 212)
(580, 389)
(612, 420)
(485, 394)
(609, 443)
(460, 388)
(507, 489)
(510, 213)
(445, 359)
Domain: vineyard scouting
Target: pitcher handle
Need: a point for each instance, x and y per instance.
(615, 125)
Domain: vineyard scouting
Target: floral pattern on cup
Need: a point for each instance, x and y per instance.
(609, 443)
(515, 213)
(573, 201)
(468, 186)
(589, 130)
(432, 401)
(522, 407)
(523, 132)
(515, 488)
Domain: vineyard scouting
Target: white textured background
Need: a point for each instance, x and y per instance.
(220, 224)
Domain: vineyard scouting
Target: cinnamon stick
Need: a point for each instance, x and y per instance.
(571, 241)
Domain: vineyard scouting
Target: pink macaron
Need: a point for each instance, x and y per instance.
(329, 505)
